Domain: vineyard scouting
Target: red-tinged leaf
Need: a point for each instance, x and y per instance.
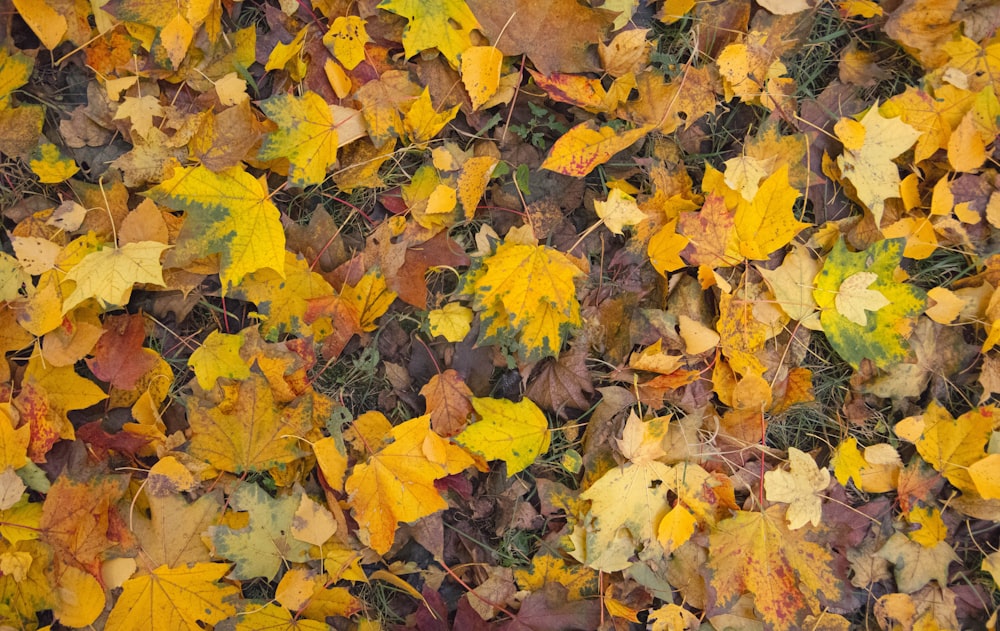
(575, 89)
(433, 617)
(343, 320)
(785, 571)
(79, 517)
(33, 405)
(409, 280)
(548, 610)
(118, 358)
(102, 442)
(587, 146)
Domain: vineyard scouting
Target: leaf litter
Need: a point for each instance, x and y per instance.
(552, 315)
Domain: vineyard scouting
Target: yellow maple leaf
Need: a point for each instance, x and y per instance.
(370, 297)
(767, 223)
(932, 529)
(174, 598)
(626, 505)
(282, 302)
(800, 488)
(665, 249)
(306, 136)
(247, 431)
(783, 569)
(108, 274)
(382, 103)
(272, 617)
(346, 40)
(874, 471)
(289, 57)
(140, 111)
(422, 121)
(452, 322)
(949, 444)
(870, 146)
(397, 483)
(228, 213)
(854, 298)
(446, 25)
(218, 356)
(516, 433)
(586, 146)
(618, 211)
(63, 389)
(530, 286)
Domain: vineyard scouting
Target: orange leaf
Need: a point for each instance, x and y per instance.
(397, 483)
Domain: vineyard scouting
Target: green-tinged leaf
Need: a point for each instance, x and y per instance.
(266, 542)
(882, 338)
(228, 213)
(444, 24)
(533, 287)
(516, 433)
(306, 136)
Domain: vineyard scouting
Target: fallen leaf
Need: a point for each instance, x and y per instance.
(449, 402)
(248, 431)
(587, 146)
(783, 570)
(446, 26)
(375, 490)
(881, 338)
(174, 598)
(516, 433)
(523, 27)
(531, 290)
(800, 488)
(916, 565)
(618, 211)
(228, 213)
(306, 136)
(870, 146)
(260, 548)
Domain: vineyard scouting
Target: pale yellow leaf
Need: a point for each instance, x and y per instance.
(109, 274)
(618, 211)
(800, 488)
(854, 298)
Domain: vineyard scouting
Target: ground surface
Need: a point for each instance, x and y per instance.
(520, 315)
